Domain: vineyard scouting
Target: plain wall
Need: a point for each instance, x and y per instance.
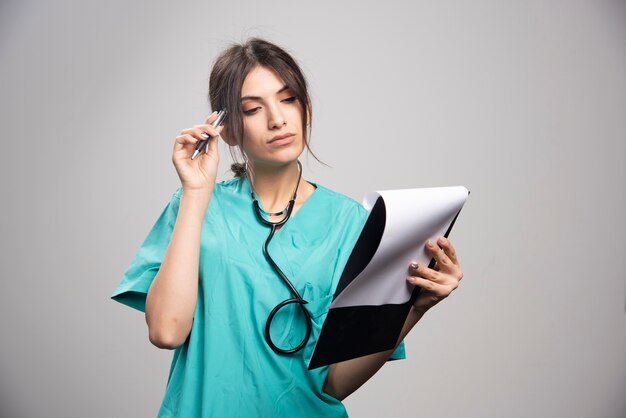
(524, 103)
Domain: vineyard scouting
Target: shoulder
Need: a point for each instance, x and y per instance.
(222, 188)
(227, 187)
(340, 203)
(344, 216)
(228, 184)
(338, 198)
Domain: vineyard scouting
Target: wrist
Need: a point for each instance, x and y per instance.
(194, 204)
(203, 194)
(418, 311)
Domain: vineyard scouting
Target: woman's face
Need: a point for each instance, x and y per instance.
(272, 119)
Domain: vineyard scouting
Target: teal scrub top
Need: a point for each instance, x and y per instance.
(225, 367)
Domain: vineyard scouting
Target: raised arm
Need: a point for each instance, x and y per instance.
(172, 297)
(171, 300)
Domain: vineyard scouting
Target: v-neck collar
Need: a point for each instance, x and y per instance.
(245, 187)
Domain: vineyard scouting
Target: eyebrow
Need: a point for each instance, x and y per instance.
(258, 98)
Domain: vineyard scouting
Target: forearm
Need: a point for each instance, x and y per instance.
(172, 297)
(346, 377)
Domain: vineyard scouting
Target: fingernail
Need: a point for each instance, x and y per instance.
(415, 266)
(429, 243)
(204, 135)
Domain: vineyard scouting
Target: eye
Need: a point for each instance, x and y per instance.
(290, 99)
(251, 111)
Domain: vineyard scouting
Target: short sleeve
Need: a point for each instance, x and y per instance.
(399, 353)
(144, 266)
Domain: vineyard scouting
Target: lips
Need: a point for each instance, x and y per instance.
(281, 138)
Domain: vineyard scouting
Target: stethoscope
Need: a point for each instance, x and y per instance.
(296, 296)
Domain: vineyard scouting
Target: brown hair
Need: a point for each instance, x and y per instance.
(228, 74)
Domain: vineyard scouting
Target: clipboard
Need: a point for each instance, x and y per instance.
(373, 298)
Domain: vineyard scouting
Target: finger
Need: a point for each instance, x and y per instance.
(211, 146)
(419, 270)
(443, 262)
(186, 139)
(201, 132)
(209, 130)
(448, 248)
(211, 118)
(436, 289)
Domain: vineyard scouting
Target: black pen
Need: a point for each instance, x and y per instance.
(221, 115)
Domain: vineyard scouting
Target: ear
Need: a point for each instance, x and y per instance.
(226, 137)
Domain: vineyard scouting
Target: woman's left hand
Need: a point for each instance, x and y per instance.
(436, 284)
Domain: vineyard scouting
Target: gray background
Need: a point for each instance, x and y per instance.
(521, 102)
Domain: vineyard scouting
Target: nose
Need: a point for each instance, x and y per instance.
(276, 119)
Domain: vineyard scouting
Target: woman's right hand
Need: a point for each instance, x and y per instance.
(201, 172)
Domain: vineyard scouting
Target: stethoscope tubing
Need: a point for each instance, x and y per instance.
(296, 299)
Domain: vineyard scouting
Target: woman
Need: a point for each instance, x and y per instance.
(205, 283)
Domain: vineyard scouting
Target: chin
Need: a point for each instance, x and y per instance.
(278, 162)
(286, 156)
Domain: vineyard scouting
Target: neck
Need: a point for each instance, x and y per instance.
(274, 186)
